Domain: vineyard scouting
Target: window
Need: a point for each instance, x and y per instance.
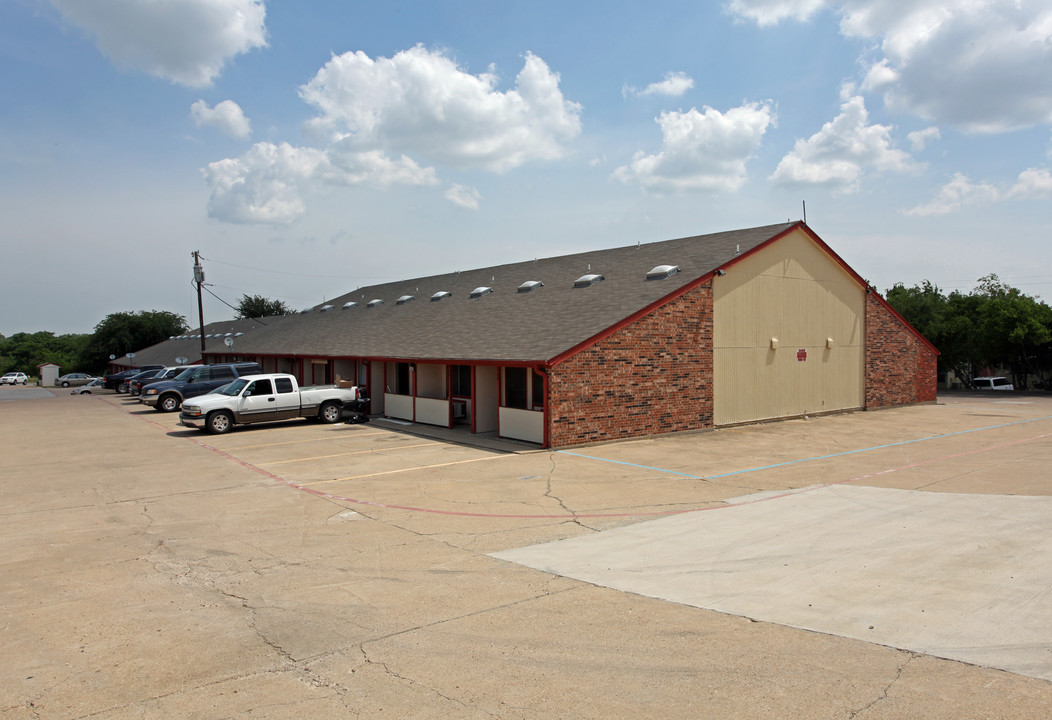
(515, 387)
(460, 380)
(284, 385)
(402, 386)
(538, 391)
(261, 387)
(220, 372)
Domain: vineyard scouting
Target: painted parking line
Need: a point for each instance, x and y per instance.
(307, 440)
(346, 454)
(410, 469)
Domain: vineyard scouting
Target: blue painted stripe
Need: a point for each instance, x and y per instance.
(642, 467)
(809, 459)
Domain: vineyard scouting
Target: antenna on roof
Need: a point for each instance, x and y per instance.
(804, 202)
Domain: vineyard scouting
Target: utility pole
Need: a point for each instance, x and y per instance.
(199, 278)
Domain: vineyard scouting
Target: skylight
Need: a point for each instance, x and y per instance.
(662, 271)
(374, 303)
(326, 308)
(480, 291)
(440, 295)
(588, 280)
(404, 299)
(349, 305)
(530, 285)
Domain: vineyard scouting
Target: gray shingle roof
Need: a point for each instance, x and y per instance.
(503, 325)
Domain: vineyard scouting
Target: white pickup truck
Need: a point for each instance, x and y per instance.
(266, 398)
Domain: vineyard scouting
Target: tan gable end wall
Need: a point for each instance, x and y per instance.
(788, 334)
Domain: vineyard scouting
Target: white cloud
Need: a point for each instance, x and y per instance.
(1033, 182)
(771, 12)
(185, 41)
(701, 150)
(675, 84)
(955, 194)
(465, 197)
(919, 139)
(980, 65)
(226, 116)
(267, 183)
(961, 192)
(839, 153)
(419, 102)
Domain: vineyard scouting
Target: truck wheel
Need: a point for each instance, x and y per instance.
(331, 412)
(219, 422)
(168, 403)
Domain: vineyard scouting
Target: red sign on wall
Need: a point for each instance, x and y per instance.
(801, 355)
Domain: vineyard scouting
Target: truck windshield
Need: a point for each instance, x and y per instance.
(233, 388)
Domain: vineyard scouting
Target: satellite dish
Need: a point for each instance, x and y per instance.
(131, 355)
(229, 342)
(113, 357)
(180, 361)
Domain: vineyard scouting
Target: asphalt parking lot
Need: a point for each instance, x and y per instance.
(892, 564)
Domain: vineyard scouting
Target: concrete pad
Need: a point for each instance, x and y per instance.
(962, 577)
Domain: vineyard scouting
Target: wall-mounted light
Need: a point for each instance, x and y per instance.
(774, 343)
(721, 273)
(829, 342)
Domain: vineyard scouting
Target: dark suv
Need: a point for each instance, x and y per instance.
(119, 381)
(168, 395)
(137, 383)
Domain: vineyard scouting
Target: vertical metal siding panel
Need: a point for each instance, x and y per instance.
(795, 292)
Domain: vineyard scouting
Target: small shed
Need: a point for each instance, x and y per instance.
(48, 373)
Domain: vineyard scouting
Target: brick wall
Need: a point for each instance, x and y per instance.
(900, 369)
(652, 376)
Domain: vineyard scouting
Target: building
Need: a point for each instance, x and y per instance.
(694, 333)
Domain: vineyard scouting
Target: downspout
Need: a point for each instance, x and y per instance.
(543, 372)
(474, 402)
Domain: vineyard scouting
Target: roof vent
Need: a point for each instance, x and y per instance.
(480, 291)
(588, 280)
(374, 303)
(440, 295)
(348, 305)
(530, 285)
(326, 308)
(662, 271)
(404, 299)
(304, 311)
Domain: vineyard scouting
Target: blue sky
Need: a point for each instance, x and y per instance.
(308, 148)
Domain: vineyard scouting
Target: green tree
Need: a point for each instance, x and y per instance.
(124, 332)
(993, 326)
(257, 306)
(24, 352)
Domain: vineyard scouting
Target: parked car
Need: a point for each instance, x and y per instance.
(14, 378)
(137, 383)
(265, 398)
(94, 386)
(992, 383)
(116, 381)
(168, 395)
(74, 379)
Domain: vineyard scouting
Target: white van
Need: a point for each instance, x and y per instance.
(992, 383)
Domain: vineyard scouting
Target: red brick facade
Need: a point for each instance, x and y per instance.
(900, 367)
(651, 376)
